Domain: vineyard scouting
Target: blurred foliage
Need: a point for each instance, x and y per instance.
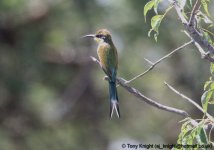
(53, 97)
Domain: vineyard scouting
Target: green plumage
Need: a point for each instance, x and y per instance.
(108, 58)
(107, 54)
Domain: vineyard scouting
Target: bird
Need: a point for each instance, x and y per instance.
(108, 57)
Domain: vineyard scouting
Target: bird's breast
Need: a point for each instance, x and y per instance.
(107, 55)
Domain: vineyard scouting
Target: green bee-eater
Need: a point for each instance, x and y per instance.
(107, 54)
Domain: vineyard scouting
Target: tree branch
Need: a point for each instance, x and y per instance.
(190, 28)
(189, 100)
(142, 97)
(149, 100)
(158, 61)
(204, 55)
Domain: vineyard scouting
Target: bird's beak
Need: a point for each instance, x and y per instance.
(89, 35)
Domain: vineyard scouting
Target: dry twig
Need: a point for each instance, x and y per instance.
(158, 61)
(189, 100)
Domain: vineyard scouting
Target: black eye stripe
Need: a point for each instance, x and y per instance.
(100, 36)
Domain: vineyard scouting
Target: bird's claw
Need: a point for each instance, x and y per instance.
(106, 78)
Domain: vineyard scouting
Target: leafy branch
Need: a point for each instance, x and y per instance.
(192, 131)
(191, 29)
(199, 36)
(157, 19)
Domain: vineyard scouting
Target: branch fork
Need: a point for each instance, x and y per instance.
(194, 34)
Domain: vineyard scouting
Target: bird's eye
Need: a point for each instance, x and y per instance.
(98, 35)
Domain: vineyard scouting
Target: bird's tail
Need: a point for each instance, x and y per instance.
(114, 103)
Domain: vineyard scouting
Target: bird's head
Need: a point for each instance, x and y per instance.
(102, 35)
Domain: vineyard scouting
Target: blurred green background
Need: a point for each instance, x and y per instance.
(52, 96)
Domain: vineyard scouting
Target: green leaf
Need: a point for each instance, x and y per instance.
(207, 37)
(156, 6)
(203, 136)
(207, 84)
(189, 137)
(190, 1)
(205, 99)
(211, 101)
(184, 137)
(155, 22)
(210, 26)
(148, 7)
(212, 68)
(212, 86)
(156, 37)
(192, 135)
(205, 6)
(149, 33)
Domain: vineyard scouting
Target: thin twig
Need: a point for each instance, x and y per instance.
(158, 61)
(193, 13)
(150, 101)
(142, 97)
(189, 100)
(151, 63)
